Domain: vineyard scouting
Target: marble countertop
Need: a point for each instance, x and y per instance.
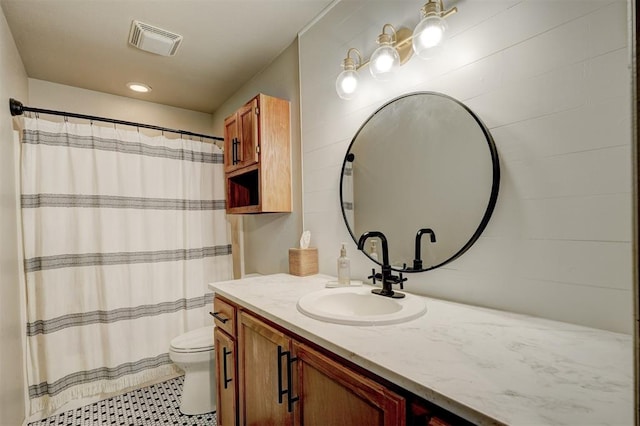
(488, 366)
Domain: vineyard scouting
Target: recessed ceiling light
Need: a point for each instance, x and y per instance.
(139, 87)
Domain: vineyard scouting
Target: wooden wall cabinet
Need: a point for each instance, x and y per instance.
(257, 157)
(283, 380)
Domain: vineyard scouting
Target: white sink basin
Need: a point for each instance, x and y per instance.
(358, 306)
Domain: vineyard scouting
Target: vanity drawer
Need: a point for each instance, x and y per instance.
(224, 315)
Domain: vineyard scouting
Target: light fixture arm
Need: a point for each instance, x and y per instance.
(385, 38)
(349, 64)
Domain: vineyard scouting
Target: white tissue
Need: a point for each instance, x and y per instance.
(305, 239)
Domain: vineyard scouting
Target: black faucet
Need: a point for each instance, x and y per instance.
(417, 262)
(387, 279)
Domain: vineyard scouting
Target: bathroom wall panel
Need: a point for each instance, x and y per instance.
(556, 48)
(564, 218)
(522, 21)
(326, 178)
(553, 92)
(466, 82)
(592, 126)
(582, 263)
(551, 79)
(584, 218)
(318, 202)
(326, 155)
(322, 133)
(606, 32)
(604, 73)
(575, 174)
(546, 299)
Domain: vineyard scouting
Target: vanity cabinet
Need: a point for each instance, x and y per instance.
(257, 157)
(286, 380)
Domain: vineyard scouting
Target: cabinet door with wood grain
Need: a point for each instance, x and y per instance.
(332, 394)
(231, 143)
(264, 361)
(226, 383)
(241, 137)
(249, 136)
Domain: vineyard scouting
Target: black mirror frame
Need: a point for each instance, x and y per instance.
(495, 185)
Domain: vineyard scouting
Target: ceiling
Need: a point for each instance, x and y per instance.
(84, 43)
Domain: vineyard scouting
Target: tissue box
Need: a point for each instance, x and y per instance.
(303, 262)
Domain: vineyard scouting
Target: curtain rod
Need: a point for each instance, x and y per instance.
(17, 108)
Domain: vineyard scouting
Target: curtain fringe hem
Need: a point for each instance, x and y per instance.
(48, 405)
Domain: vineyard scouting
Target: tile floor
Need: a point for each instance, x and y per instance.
(154, 405)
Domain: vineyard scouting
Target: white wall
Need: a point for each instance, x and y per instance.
(13, 84)
(268, 237)
(551, 79)
(47, 95)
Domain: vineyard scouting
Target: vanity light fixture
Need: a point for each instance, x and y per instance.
(396, 48)
(139, 87)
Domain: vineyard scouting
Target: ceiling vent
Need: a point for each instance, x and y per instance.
(153, 39)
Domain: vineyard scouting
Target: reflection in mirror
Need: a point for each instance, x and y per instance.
(423, 170)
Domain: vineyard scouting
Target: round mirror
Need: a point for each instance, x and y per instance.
(423, 170)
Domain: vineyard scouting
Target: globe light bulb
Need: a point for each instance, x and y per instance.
(428, 36)
(347, 84)
(384, 62)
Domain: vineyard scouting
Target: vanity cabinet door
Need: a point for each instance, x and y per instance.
(264, 361)
(226, 383)
(332, 394)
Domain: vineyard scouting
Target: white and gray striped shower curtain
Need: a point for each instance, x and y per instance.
(122, 233)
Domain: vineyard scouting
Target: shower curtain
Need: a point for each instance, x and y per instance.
(122, 232)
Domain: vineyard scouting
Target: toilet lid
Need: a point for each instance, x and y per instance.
(194, 340)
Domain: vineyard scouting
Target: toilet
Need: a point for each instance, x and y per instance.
(193, 353)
